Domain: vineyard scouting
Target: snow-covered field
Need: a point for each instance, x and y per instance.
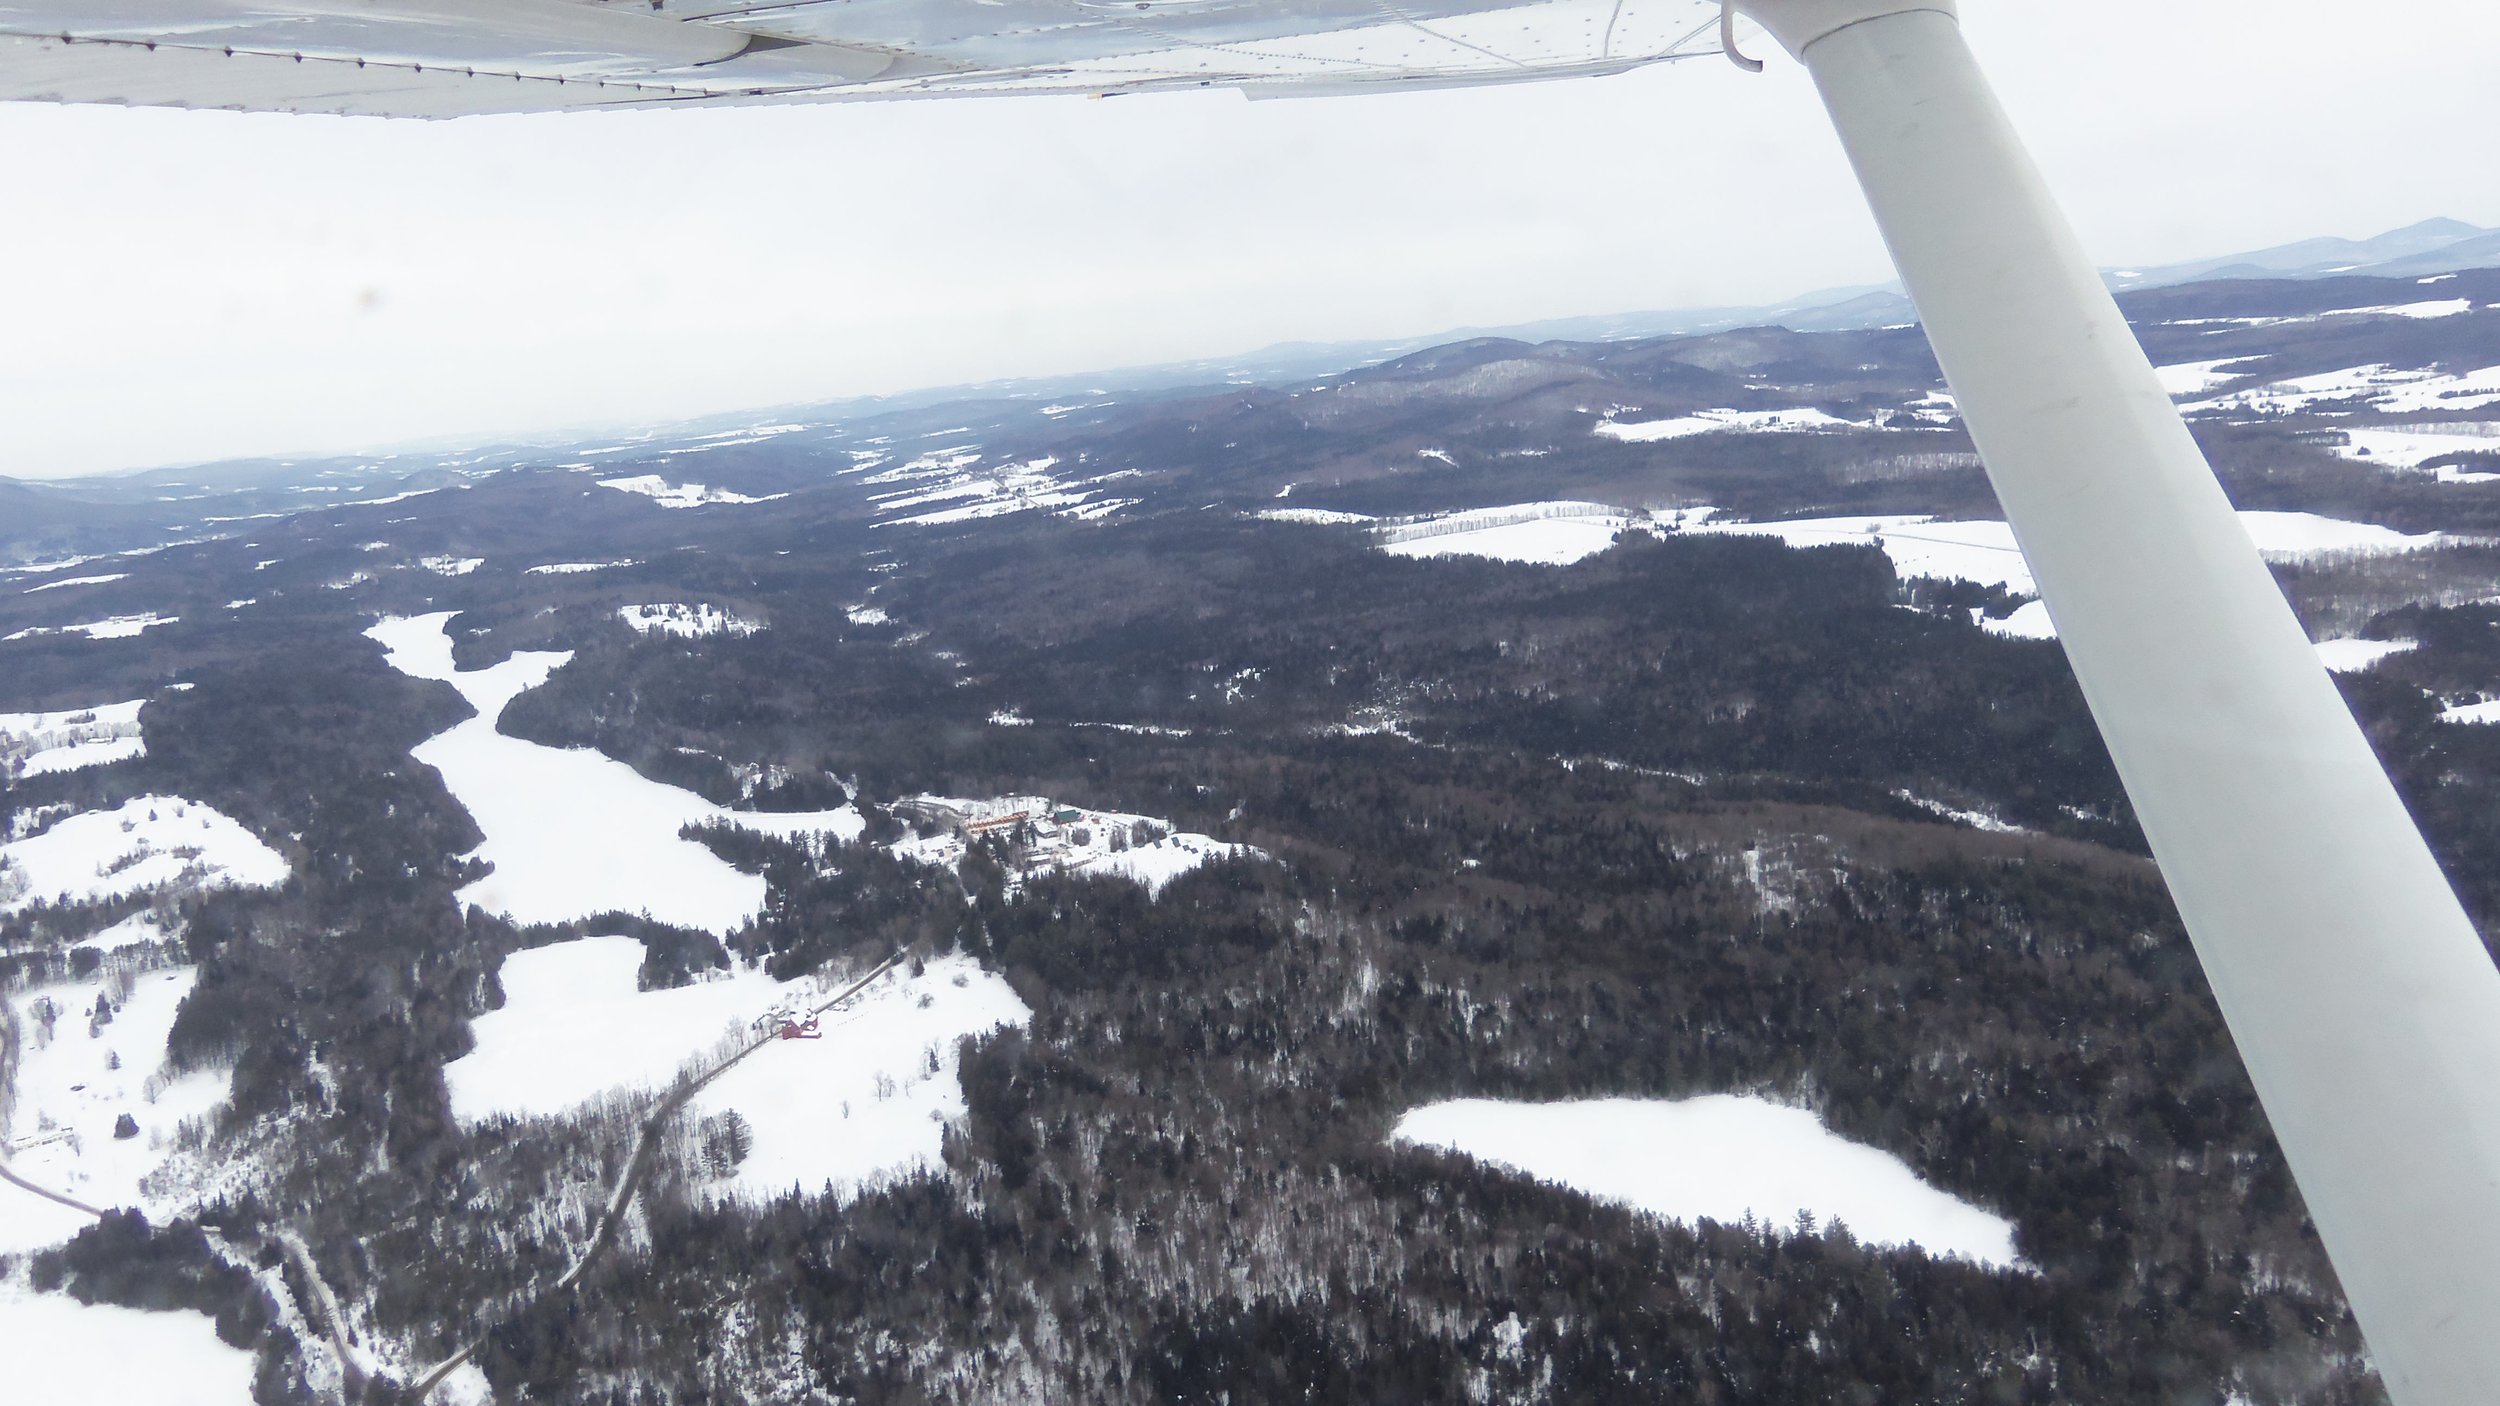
(1978, 551)
(1311, 515)
(951, 485)
(680, 495)
(866, 1101)
(572, 1027)
(1800, 418)
(1716, 1158)
(78, 581)
(2197, 377)
(2404, 447)
(42, 743)
(58, 1350)
(2472, 713)
(576, 568)
(684, 621)
(2353, 656)
(870, 1100)
(2388, 389)
(75, 1079)
(145, 843)
(1542, 534)
(119, 627)
(572, 833)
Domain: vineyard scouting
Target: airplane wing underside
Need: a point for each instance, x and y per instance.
(451, 58)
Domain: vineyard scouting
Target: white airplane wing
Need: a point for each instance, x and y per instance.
(451, 58)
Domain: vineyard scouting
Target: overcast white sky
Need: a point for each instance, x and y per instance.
(192, 286)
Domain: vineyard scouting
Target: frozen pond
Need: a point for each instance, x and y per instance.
(1717, 1158)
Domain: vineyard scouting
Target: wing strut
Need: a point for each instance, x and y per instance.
(2358, 992)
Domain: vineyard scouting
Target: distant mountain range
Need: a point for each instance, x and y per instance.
(2421, 250)
(2431, 247)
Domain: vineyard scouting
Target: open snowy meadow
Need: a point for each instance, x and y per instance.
(1720, 1158)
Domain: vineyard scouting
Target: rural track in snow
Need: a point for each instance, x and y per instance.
(636, 1168)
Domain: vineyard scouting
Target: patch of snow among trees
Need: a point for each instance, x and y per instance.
(680, 495)
(1311, 515)
(92, 1054)
(2472, 713)
(1722, 1158)
(684, 621)
(60, 1350)
(2353, 656)
(1801, 418)
(2030, 621)
(149, 842)
(119, 627)
(78, 581)
(2386, 388)
(38, 744)
(572, 833)
(1542, 534)
(2405, 447)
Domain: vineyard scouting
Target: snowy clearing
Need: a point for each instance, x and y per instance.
(1322, 516)
(1979, 551)
(77, 581)
(1717, 1158)
(572, 1027)
(572, 833)
(680, 495)
(2380, 386)
(2353, 656)
(575, 568)
(2198, 377)
(2472, 713)
(952, 476)
(1800, 418)
(684, 621)
(451, 565)
(868, 1100)
(77, 1077)
(38, 744)
(2029, 622)
(119, 627)
(60, 1350)
(2406, 447)
(1540, 534)
(146, 843)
